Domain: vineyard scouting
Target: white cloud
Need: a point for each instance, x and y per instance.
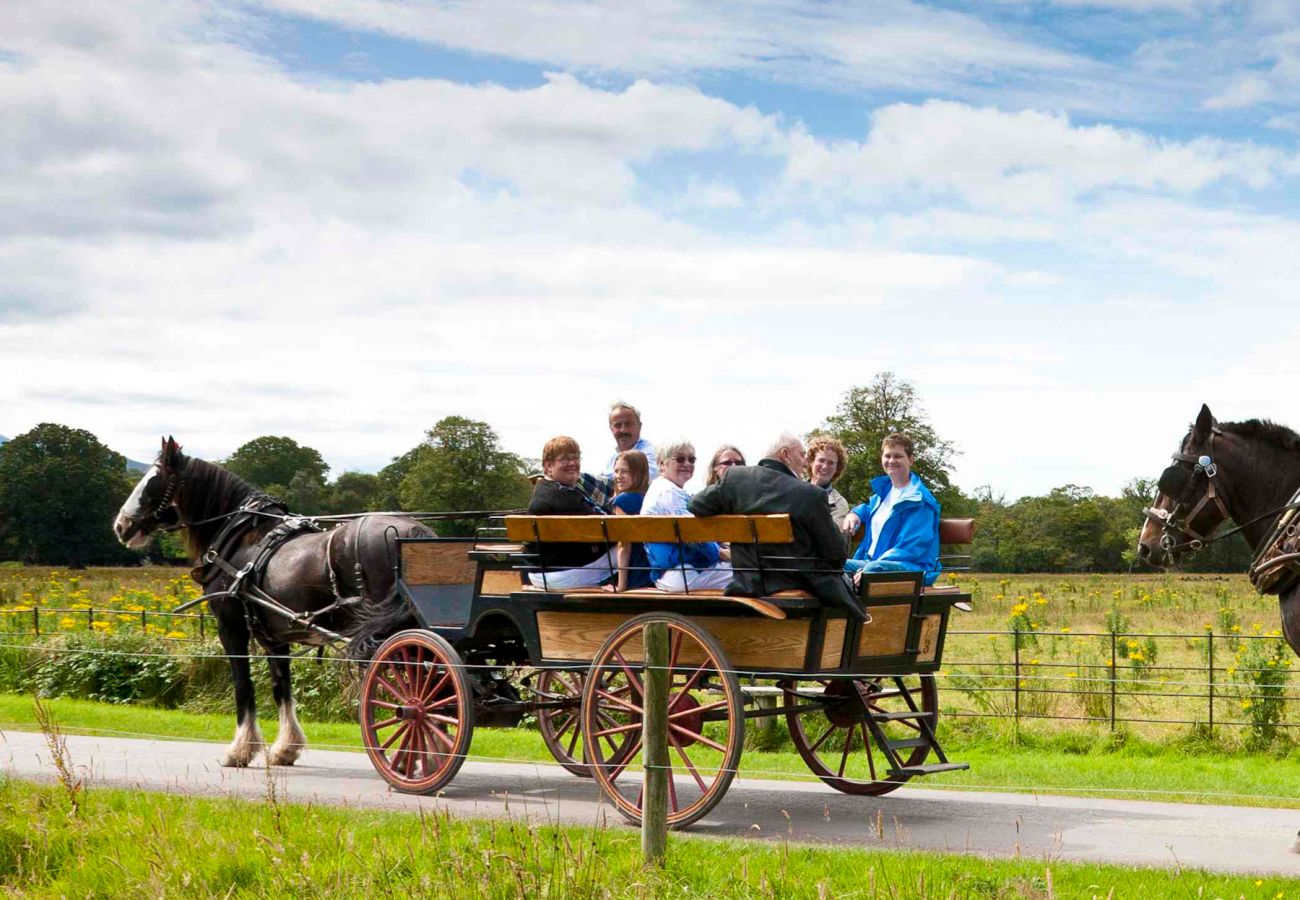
(1014, 161)
(1247, 89)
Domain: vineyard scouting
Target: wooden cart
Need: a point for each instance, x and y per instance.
(859, 700)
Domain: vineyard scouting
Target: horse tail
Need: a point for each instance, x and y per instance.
(379, 621)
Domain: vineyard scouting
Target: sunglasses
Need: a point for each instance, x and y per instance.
(682, 460)
(730, 462)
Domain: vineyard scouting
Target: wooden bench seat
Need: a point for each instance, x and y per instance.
(650, 529)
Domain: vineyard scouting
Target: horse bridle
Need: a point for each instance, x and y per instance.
(1176, 533)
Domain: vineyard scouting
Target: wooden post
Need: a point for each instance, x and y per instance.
(1210, 692)
(654, 735)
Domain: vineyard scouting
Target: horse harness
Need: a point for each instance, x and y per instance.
(1178, 481)
(1274, 567)
(246, 583)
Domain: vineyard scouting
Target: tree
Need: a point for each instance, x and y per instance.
(60, 489)
(270, 460)
(353, 492)
(461, 466)
(863, 419)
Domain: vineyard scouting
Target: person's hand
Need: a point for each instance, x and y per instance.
(612, 588)
(724, 554)
(857, 579)
(851, 524)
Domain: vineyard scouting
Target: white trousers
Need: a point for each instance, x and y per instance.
(716, 577)
(590, 575)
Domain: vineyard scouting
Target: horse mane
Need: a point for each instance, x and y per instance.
(1266, 431)
(209, 491)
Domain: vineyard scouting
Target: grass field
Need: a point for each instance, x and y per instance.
(64, 840)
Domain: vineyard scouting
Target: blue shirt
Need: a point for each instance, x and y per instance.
(638, 573)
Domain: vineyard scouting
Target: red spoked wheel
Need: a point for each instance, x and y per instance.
(559, 719)
(417, 713)
(828, 725)
(706, 723)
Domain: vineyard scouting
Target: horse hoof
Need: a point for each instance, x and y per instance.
(285, 757)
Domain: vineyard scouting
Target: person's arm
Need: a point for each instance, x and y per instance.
(853, 521)
(709, 502)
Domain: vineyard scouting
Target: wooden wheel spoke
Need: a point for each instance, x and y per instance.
(384, 704)
(444, 702)
(397, 733)
(690, 767)
(393, 689)
(384, 724)
(848, 747)
(572, 749)
(830, 729)
(622, 767)
(418, 671)
(442, 737)
(434, 691)
(617, 729)
(871, 757)
(672, 792)
(634, 682)
(697, 737)
(678, 636)
(619, 701)
(689, 686)
(416, 753)
(446, 720)
(561, 728)
(403, 669)
(699, 709)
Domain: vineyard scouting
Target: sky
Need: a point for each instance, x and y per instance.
(1067, 223)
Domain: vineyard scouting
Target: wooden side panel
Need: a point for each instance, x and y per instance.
(928, 643)
(886, 633)
(902, 587)
(437, 563)
(500, 581)
(833, 644)
(657, 529)
(749, 643)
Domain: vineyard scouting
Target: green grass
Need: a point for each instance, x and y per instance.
(59, 840)
(1068, 763)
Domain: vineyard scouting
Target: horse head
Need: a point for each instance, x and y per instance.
(152, 505)
(1189, 505)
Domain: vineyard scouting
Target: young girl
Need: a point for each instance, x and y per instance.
(631, 479)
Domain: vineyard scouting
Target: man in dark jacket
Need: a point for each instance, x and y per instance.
(818, 548)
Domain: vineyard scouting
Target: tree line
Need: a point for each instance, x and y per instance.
(60, 488)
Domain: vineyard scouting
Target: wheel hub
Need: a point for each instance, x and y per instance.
(844, 705)
(684, 710)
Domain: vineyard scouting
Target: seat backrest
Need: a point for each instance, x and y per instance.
(774, 529)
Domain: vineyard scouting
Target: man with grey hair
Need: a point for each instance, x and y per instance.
(625, 426)
(817, 552)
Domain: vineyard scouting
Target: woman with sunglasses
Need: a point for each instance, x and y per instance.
(681, 567)
(724, 458)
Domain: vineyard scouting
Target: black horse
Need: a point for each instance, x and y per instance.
(327, 582)
(1248, 472)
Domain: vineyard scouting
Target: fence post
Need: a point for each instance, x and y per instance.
(1114, 671)
(90, 619)
(654, 734)
(1015, 637)
(202, 618)
(1210, 658)
(36, 621)
(144, 621)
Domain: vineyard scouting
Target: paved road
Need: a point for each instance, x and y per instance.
(1230, 839)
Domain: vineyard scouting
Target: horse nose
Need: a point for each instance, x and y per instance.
(1144, 552)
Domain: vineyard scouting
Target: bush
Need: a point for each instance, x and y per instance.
(120, 668)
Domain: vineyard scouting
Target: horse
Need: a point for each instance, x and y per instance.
(322, 586)
(1248, 472)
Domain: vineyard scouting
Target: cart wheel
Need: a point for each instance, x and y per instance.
(417, 716)
(828, 724)
(561, 724)
(706, 723)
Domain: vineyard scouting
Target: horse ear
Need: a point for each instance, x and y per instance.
(1204, 423)
(170, 451)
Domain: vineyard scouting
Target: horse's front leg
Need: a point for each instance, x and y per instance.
(248, 737)
(290, 740)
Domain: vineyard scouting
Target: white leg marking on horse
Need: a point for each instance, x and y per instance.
(248, 743)
(289, 743)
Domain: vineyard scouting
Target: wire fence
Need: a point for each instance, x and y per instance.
(1115, 679)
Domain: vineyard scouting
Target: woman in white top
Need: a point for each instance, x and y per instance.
(901, 518)
(681, 567)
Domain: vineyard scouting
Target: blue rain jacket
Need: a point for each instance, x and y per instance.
(911, 536)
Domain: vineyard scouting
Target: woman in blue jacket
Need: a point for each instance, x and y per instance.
(901, 518)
